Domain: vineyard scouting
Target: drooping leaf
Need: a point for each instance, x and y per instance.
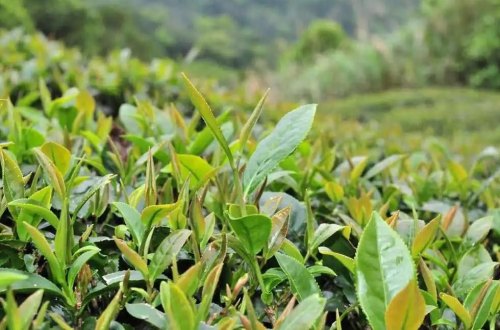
(383, 165)
(7, 277)
(344, 260)
(324, 232)
(31, 282)
(283, 140)
(384, 267)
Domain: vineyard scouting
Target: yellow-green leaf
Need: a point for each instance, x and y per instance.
(425, 236)
(457, 308)
(132, 256)
(206, 112)
(406, 311)
(58, 155)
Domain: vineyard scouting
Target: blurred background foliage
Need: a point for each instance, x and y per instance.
(417, 62)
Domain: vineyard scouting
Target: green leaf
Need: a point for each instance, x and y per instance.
(290, 131)
(202, 106)
(52, 172)
(77, 265)
(478, 230)
(406, 310)
(425, 236)
(110, 313)
(324, 232)
(472, 278)
(252, 231)
(29, 307)
(12, 177)
(132, 219)
(167, 251)
(147, 313)
(132, 256)
(344, 260)
(208, 291)
(457, 308)
(44, 248)
(58, 155)
(177, 307)
(188, 281)
(305, 314)
(41, 199)
(480, 301)
(383, 165)
(91, 192)
(246, 130)
(14, 318)
(384, 267)
(301, 281)
(7, 277)
(195, 167)
(153, 214)
(31, 282)
(35, 208)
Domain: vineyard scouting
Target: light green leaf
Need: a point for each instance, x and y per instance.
(344, 260)
(132, 256)
(457, 308)
(473, 277)
(384, 267)
(167, 251)
(77, 265)
(153, 214)
(53, 174)
(44, 248)
(147, 313)
(290, 131)
(202, 106)
(12, 177)
(305, 314)
(246, 130)
(208, 291)
(177, 307)
(301, 281)
(479, 229)
(383, 165)
(324, 232)
(252, 231)
(132, 219)
(480, 302)
(8, 277)
(58, 155)
(31, 282)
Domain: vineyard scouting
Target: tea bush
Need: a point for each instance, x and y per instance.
(176, 215)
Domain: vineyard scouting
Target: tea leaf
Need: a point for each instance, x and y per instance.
(132, 219)
(344, 260)
(246, 130)
(52, 172)
(301, 281)
(202, 106)
(325, 231)
(290, 131)
(132, 256)
(153, 214)
(58, 155)
(407, 309)
(480, 302)
(147, 313)
(457, 308)
(208, 292)
(384, 267)
(253, 231)
(305, 314)
(167, 251)
(177, 307)
(425, 237)
(8, 277)
(77, 265)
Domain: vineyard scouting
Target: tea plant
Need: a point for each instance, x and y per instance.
(162, 219)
